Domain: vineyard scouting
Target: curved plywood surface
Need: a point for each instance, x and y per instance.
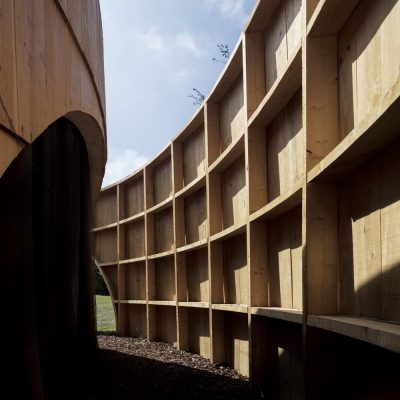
(52, 66)
(268, 222)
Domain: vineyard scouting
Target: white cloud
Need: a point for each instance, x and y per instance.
(183, 74)
(229, 9)
(153, 40)
(163, 43)
(122, 164)
(186, 41)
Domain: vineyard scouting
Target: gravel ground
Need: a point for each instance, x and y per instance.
(131, 368)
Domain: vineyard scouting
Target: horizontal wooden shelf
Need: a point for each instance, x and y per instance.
(193, 246)
(279, 94)
(107, 264)
(240, 308)
(194, 304)
(161, 206)
(132, 302)
(133, 260)
(196, 184)
(160, 255)
(162, 303)
(285, 314)
(330, 16)
(379, 333)
(133, 218)
(368, 138)
(228, 156)
(229, 232)
(280, 205)
(105, 227)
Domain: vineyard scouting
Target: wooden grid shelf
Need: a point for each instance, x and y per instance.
(272, 219)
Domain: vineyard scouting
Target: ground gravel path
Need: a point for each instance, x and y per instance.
(131, 368)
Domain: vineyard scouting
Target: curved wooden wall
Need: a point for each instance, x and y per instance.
(266, 235)
(51, 62)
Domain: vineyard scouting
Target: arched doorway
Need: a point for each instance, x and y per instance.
(45, 265)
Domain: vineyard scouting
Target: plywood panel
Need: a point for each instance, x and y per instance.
(163, 231)
(233, 194)
(106, 209)
(285, 152)
(106, 246)
(281, 38)
(196, 216)
(275, 47)
(285, 261)
(197, 275)
(232, 114)
(164, 272)
(134, 240)
(162, 180)
(133, 198)
(165, 317)
(135, 281)
(293, 25)
(194, 156)
(236, 342)
(136, 319)
(369, 78)
(365, 226)
(236, 280)
(199, 332)
(369, 236)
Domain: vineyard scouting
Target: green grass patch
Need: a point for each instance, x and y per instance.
(105, 314)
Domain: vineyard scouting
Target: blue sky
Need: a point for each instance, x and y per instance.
(156, 51)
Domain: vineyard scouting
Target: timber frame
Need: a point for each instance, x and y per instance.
(271, 222)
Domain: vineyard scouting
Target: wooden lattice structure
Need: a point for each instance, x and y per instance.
(266, 235)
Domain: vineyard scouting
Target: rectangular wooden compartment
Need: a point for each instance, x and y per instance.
(190, 157)
(162, 328)
(134, 276)
(105, 250)
(105, 212)
(159, 179)
(276, 155)
(195, 330)
(132, 240)
(193, 280)
(134, 320)
(350, 82)
(195, 216)
(131, 197)
(276, 269)
(228, 196)
(277, 366)
(360, 215)
(161, 278)
(160, 231)
(271, 46)
(230, 340)
(229, 271)
(226, 114)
